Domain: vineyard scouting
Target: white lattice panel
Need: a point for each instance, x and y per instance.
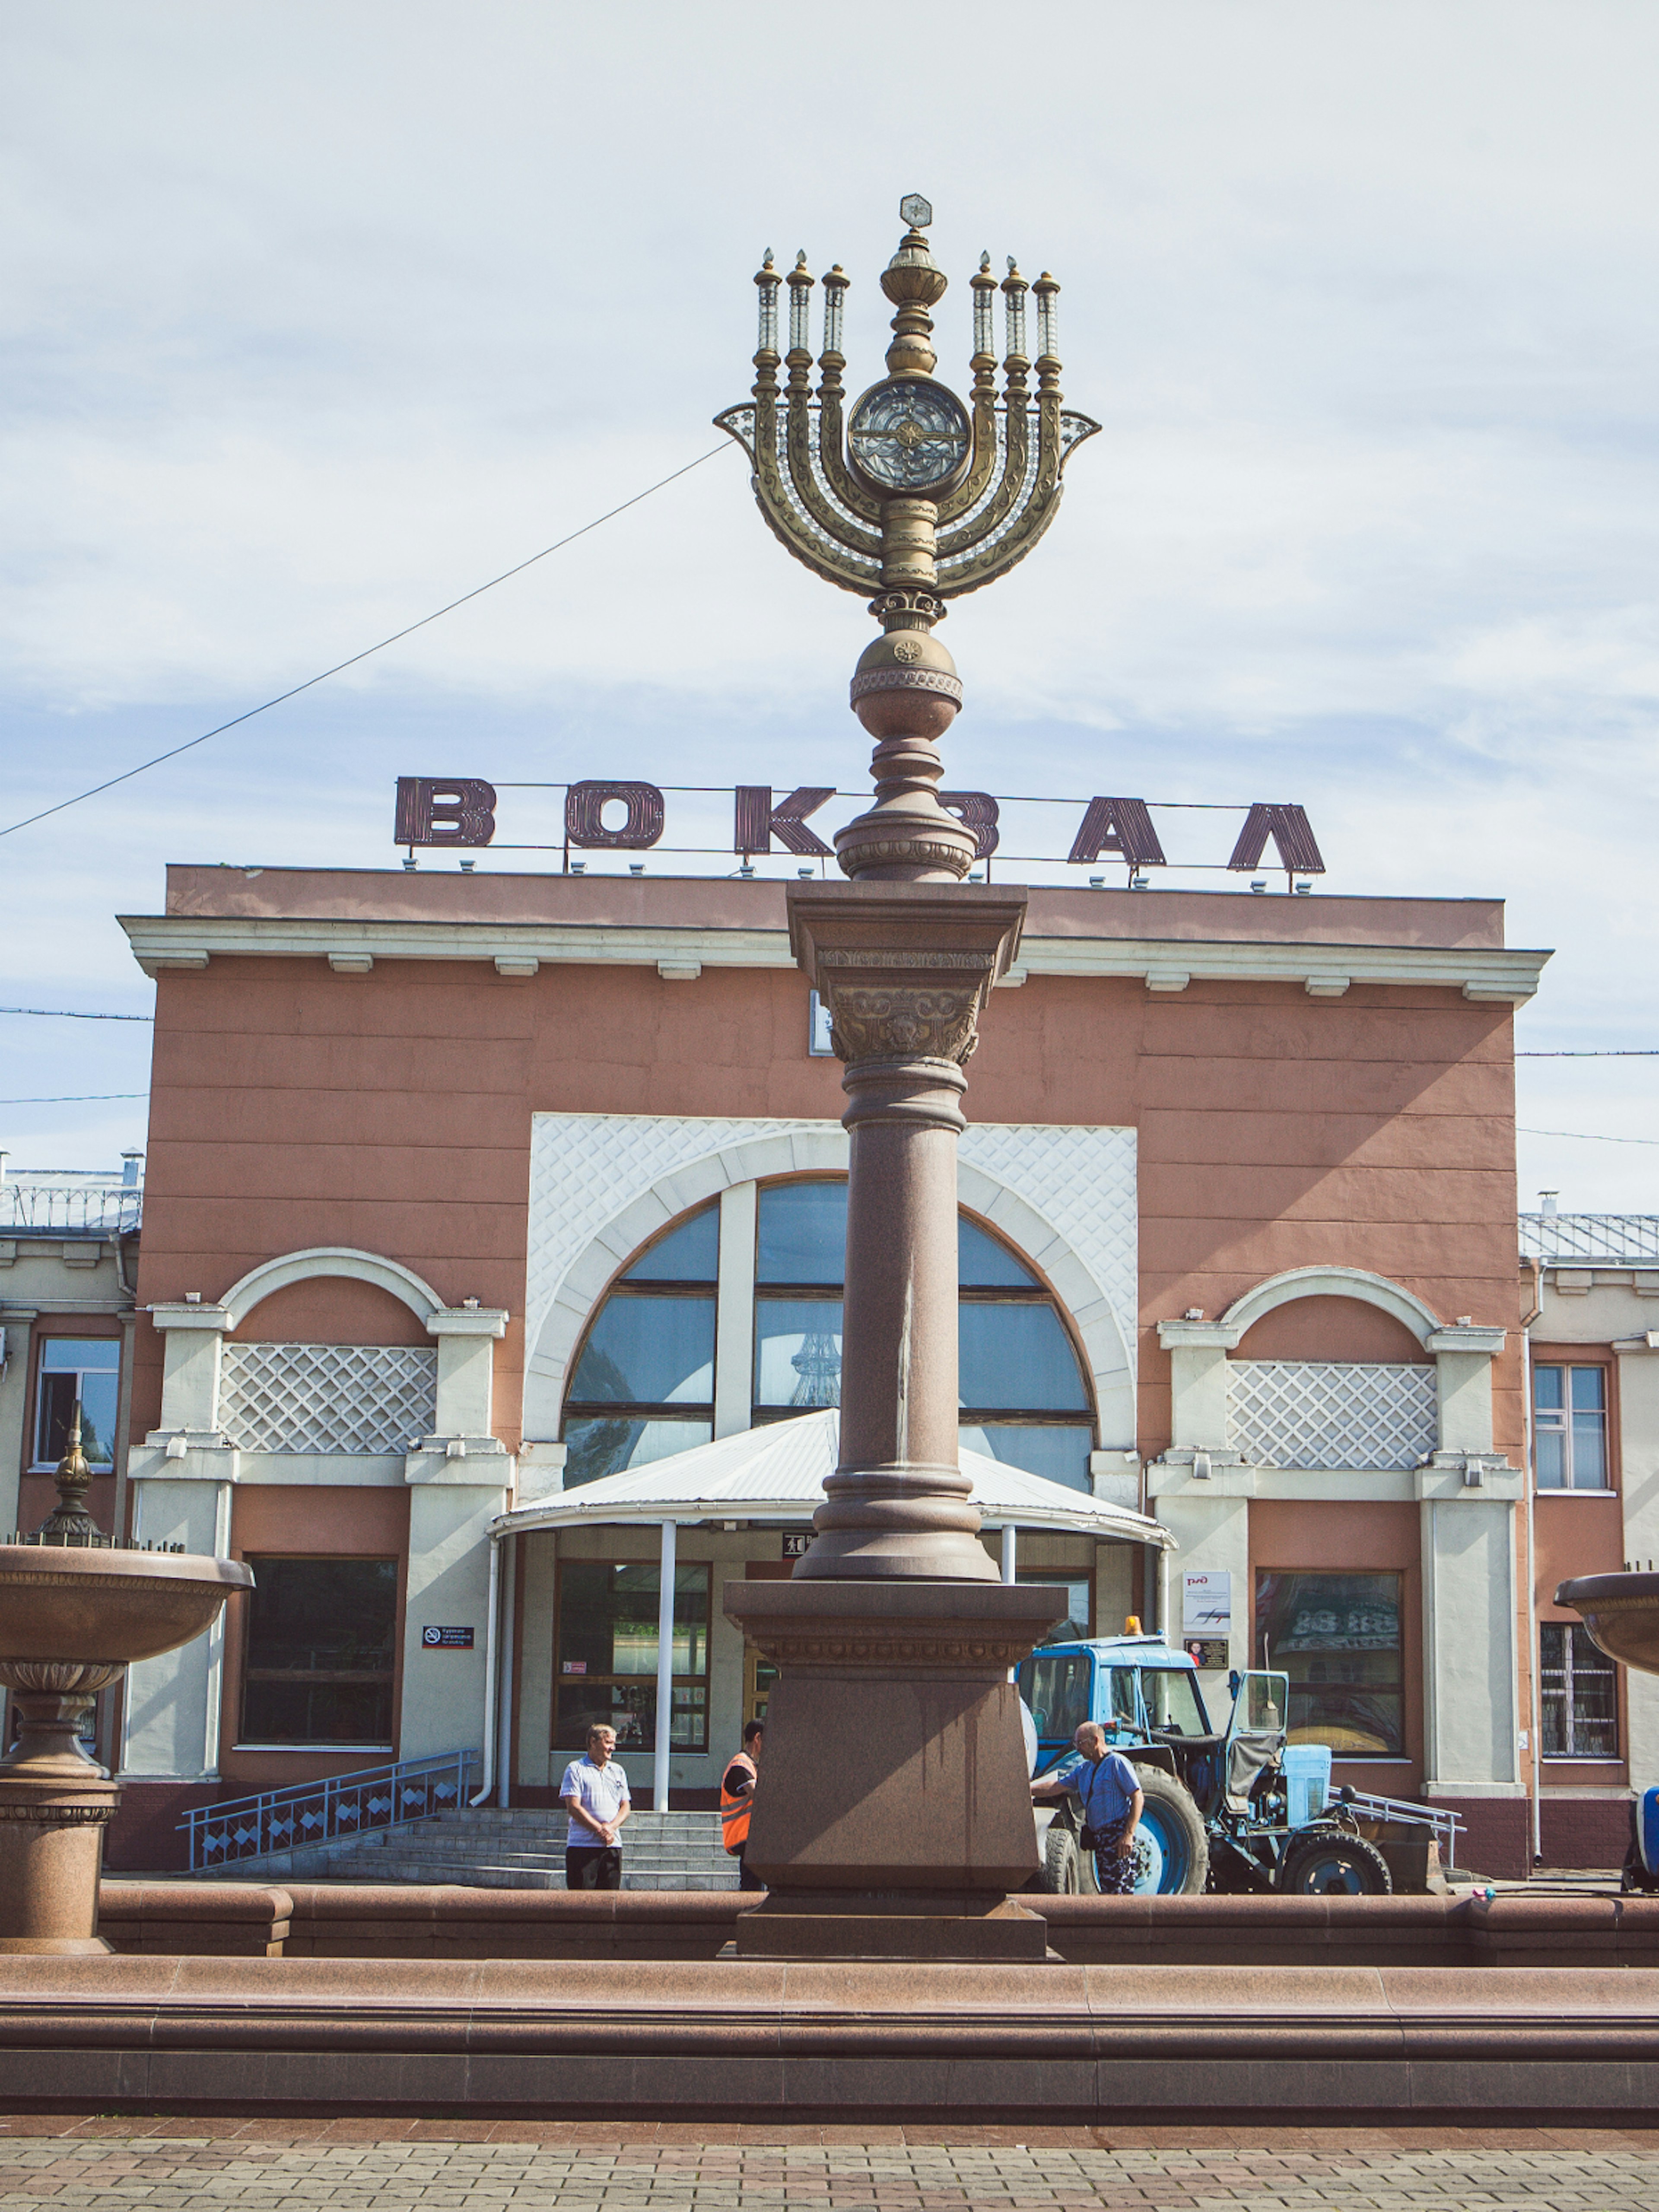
(1081, 1181)
(1321, 1414)
(327, 1397)
(585, 1169)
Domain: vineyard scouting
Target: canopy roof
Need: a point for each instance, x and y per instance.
(776, 1474)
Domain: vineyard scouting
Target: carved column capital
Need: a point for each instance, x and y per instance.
(904, 977)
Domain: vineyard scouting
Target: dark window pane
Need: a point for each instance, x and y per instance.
(1073, 1590)
(608, 1618)
(606, 1654)
(984, 1263)
(597, 1445)
(299, 1711)
(1547, 1389)
(321, 1639)
(797, 1351)
(84, 1367)
(649, 1351)
(803, 1233)
(1060, 1454)
(1550, 1451)
(1337, 1638)
(1588, 1389)
(1016, 1355)
(1057, 1692)
(688, 1253)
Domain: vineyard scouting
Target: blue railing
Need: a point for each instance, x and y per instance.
(321, 1812)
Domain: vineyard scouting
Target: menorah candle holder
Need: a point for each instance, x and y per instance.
(915, 496)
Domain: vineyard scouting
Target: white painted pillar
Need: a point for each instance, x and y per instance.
(665, 1670)
(734, 1310)
(509, 1629)
(1010, 1552)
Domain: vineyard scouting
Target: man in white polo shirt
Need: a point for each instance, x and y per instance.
(594, 1793)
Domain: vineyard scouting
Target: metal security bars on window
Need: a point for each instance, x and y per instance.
(378, 1398)
(1323, 1415)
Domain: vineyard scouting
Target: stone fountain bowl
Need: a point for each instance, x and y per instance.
(61, 1604)
(1621, 1612)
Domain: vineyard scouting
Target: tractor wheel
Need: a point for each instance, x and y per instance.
(1170, 1843)
(1062, 1863)
(1328, 1863)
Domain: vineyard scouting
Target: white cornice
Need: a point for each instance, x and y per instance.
(184, 941)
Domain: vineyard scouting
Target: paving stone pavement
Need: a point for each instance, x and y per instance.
(123, 2164)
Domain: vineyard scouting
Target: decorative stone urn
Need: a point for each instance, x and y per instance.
(1621, 1612)
(75, 1609)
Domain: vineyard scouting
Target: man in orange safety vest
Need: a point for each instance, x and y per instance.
(737, 1800)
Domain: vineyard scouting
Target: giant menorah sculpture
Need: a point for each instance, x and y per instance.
(918, 500)
(893, 1816)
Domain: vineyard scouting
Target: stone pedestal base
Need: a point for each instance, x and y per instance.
(893, 1813)
(983, 1929)
(51, 1846)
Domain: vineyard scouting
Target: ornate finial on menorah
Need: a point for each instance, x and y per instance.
(916, 499)
(70, 1522)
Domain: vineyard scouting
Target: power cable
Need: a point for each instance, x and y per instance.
(80, 1099)
(72, 1014)
(408, 630)
(1585, 1136)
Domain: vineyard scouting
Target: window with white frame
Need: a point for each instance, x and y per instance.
(83, 1368)
(1570, 1427)
(643, 1383)
(1578, 1689)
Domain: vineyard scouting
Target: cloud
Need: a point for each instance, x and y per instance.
(318, 316)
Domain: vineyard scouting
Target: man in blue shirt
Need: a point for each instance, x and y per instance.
(1113, 1802)
(594, 1793)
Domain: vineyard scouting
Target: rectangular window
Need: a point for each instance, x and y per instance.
(605, 1654)
(1570, 1427)
(84, 1367)
(1337, 1638)
(1579, 1694)
(321, 1651)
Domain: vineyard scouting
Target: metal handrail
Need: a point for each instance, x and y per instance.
(1445, 1822)
(317, 1812)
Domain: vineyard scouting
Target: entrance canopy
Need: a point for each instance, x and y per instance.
(775, 1473)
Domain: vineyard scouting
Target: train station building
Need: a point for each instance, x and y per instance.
(468, 1192)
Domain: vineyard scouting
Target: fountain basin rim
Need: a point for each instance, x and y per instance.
(1609, 1593)
(62, 1606)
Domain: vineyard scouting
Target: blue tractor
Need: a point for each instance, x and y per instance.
(1234, 1809)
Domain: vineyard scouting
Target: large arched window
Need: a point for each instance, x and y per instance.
(643, 1384)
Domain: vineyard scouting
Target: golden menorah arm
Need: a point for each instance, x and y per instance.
(754, 425)
(844, 528)
(974, 486)
(1059, 436)
(836, 473)
(1014, 441)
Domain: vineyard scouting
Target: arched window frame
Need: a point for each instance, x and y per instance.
(733, 1405)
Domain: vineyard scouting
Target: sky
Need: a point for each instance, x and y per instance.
(317, 316)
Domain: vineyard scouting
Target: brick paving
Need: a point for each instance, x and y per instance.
(284, 2166)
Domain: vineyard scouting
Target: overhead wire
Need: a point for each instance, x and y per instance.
(408, 630)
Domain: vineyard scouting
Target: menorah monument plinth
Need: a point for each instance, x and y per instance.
(894, 1818)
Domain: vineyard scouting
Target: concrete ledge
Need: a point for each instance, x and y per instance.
(410, 1920)
(197, 1919)
(737, 2040)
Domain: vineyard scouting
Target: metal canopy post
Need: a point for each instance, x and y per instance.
(665, 1670)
